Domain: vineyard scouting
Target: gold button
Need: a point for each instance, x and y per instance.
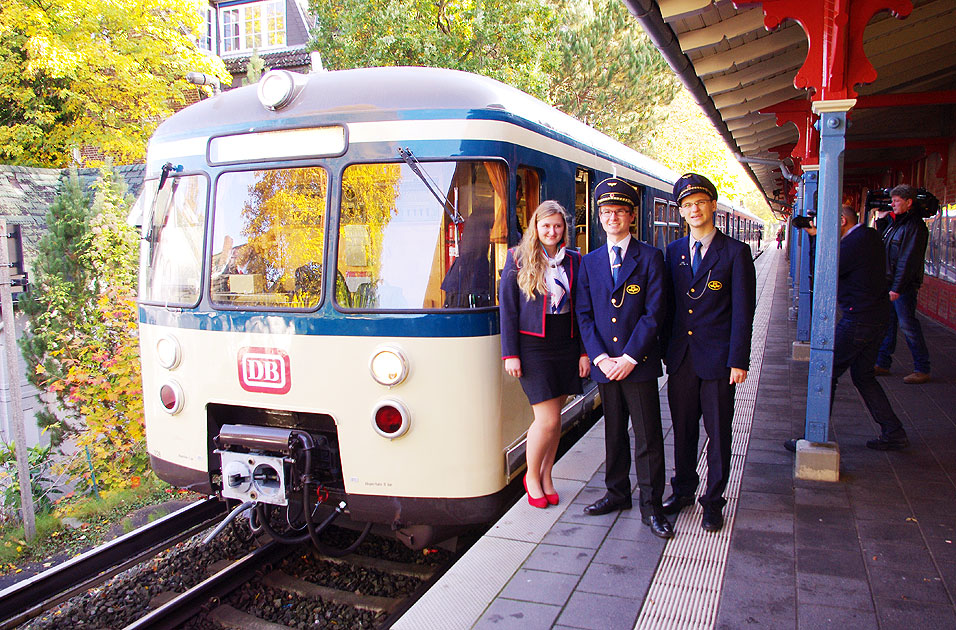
(691, 311)
(613, 320)
(690, 332)
(614, 302)
(614, 339)
(692, 290)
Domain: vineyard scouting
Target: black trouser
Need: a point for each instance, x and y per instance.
(689, 398)
(640, 401)
(855, 346)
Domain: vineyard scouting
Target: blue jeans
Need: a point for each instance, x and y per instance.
(903, 316)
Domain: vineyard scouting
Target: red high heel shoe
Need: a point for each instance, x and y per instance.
(541, 502)
(552, 498)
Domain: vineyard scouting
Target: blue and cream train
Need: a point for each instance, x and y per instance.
(318, 288)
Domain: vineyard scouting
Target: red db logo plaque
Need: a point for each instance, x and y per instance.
(264, 370)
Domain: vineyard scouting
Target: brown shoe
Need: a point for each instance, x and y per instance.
(916, 378)
(880, 371)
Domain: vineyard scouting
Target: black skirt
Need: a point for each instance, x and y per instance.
(549, 364)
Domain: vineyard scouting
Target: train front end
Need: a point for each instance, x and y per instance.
(317, 318)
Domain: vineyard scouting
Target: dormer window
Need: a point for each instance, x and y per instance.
(254, 26)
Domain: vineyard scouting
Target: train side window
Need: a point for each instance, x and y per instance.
(172, 246)
(582, 205)
(400, 248)
(529, 195)
(661, 223)
(269, 226)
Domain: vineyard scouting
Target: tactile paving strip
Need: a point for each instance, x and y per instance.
(685, 590)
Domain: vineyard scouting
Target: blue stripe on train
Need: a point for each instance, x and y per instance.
(328, 321)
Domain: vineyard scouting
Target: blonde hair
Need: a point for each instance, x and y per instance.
(529, 254)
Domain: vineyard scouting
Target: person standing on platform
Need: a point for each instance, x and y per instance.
(780, 238)
(712, 293)
(865, 310)
(540, 343)
(905, 240)
(620, 308)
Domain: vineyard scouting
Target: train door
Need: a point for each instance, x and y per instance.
(582, 210)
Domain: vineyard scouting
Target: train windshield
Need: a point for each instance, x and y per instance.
(268, 238)
(171, 250)
(401, 249)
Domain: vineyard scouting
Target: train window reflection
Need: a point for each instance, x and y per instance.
(171, 249)
(401, 248)
(268, 236)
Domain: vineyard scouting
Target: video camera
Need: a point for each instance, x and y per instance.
(801, 222)
(925, 204)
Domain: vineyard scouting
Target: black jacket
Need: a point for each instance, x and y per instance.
(905, 241)
(861, 290)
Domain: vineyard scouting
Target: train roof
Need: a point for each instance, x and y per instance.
(395, 93)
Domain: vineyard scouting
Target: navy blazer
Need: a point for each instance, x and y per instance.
(711, 313)
(862, 290)
(624, 318)
(522, 316)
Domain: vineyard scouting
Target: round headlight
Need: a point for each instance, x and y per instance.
(388, 365)
(168, 352)
(390, 419)
(276, 89)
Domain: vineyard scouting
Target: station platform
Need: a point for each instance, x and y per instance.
(877, 549)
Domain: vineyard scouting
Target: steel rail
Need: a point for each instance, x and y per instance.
(31, 597)
(186, 605)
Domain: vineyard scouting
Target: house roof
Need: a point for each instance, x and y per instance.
(291, 58)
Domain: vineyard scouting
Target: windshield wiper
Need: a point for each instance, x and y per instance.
(415, 165)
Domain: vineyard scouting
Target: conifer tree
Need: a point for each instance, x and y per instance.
(59, 302)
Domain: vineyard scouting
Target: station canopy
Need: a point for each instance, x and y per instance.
(743, 76)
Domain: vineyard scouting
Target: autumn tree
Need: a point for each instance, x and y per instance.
(502, 40)
(81, 342)
(687, 141)
(77, 73)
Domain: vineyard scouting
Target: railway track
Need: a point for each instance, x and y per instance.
(201, 586)
(31, 597)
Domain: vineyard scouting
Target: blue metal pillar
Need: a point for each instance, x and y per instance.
(832, 146)
(806, 272)
(793, 249)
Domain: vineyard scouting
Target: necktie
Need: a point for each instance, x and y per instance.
(695, 263)
(616, 265)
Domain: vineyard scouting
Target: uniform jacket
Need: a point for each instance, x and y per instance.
(522, 316)
(710, 314)
(624, 318)
(905, 240)
(861, 290)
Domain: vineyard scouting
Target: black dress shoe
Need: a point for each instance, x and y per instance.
(606, 505)
(659, 525)
(677, 502)
(884, 443)
(712, 520)
(791, 445)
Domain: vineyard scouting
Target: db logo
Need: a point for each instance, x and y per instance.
(264, 370)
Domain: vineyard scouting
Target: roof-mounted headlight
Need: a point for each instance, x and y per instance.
(277, 88)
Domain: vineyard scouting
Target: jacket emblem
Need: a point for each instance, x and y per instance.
(633, 289)
(714, 285)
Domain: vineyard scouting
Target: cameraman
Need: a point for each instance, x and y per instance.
(905, 241)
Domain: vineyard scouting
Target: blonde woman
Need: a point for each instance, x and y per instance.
(540, 344)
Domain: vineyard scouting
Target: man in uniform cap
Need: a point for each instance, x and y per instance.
(620, 307)
(712, 298)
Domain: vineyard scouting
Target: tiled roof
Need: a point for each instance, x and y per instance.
(290, 58)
